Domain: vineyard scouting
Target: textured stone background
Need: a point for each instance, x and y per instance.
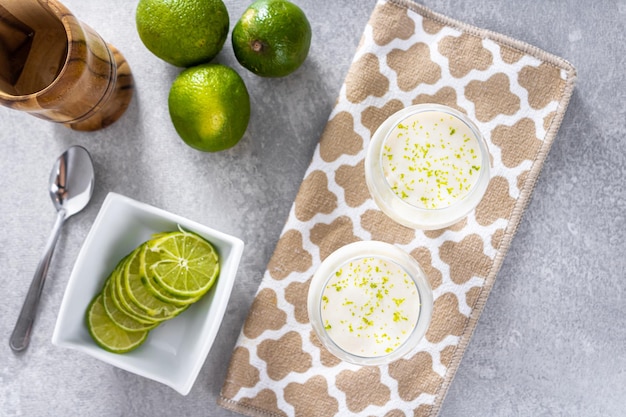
(552, 338)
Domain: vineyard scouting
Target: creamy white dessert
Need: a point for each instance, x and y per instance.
(370, 306)
(431, 159)
(369, 303)
(427, 166)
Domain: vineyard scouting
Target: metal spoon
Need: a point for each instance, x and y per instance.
(71, 187)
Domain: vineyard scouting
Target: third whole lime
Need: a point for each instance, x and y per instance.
(210, 107)
(272, 38)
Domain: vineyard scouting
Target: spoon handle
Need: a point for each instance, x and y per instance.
(21, 333)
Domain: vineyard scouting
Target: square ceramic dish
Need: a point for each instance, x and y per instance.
(175, 351)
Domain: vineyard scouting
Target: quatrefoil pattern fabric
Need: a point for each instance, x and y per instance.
(517, 95)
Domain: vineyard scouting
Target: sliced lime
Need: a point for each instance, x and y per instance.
(140, 296)
(156, 290)
(115, 299)
(155, 282)
(109, 335)
(118, 316)
(131, 311)
(182, 264)
(125, 302)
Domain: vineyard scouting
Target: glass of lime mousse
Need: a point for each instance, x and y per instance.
(370, 303)
(427, 166)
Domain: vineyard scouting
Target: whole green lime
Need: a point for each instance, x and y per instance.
(210, 107)
(272, 38)
(182, 32)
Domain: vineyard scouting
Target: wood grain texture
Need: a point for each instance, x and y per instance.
(59, 69)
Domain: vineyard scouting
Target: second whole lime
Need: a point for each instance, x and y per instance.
(209, 106)
(272, 38)
(183, 32)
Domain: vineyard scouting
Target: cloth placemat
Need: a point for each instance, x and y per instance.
(517, 94)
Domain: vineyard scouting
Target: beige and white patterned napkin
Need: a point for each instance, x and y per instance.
(517, 94)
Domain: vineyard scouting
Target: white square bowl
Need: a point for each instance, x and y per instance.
(175, 351)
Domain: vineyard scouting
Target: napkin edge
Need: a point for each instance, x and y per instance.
(521, 46)
(244, 409)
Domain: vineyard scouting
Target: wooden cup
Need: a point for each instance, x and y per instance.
(59, 69)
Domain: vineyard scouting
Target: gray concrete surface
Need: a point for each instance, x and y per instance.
(552, 338)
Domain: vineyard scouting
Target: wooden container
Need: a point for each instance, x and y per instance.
(59, 69)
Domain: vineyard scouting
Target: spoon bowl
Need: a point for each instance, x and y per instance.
(72, 180)
(71, 187)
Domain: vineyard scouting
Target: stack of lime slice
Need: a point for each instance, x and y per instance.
(155, 282)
